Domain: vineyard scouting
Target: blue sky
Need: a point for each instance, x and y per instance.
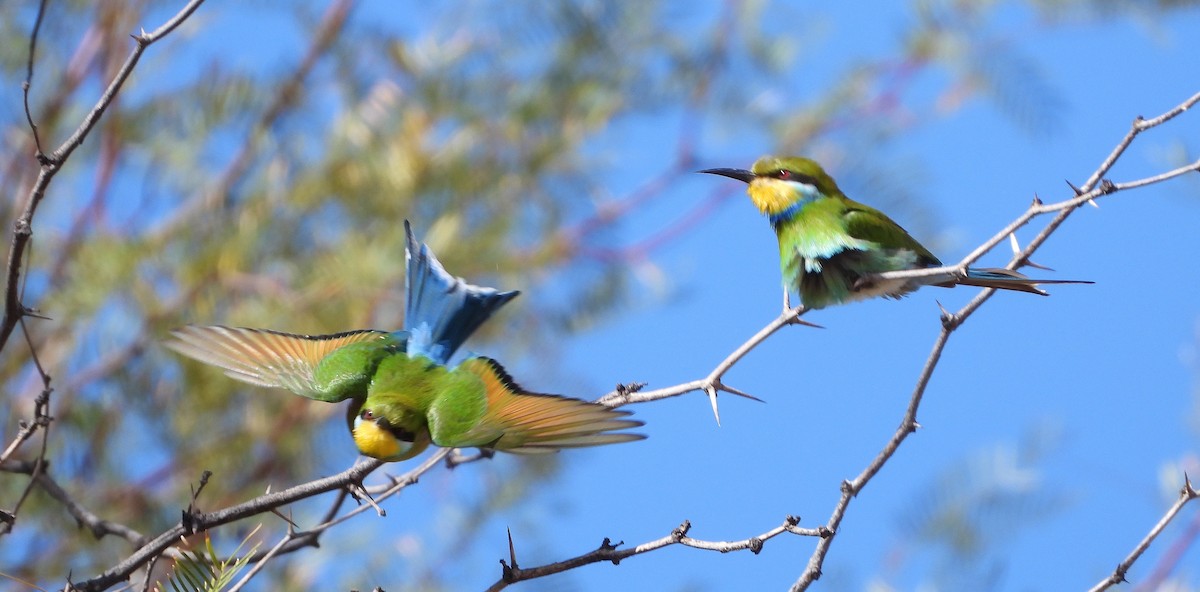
(1100, 374)
(1082, 403)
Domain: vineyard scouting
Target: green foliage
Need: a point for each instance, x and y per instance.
(211, 193)
(204, 570)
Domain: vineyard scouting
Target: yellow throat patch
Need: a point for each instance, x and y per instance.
(375, 441)
(771, 196)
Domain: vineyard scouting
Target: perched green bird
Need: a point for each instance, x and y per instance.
(404, 395)
(830, 246)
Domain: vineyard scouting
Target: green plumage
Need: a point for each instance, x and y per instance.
(403, 395)
(831, 247)
(401, 403)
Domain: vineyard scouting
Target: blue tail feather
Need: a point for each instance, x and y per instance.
(1006, 279)
(442, 310)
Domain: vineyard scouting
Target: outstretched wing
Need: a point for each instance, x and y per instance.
(523, 422)
(264, 357)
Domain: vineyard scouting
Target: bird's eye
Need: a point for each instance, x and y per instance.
(367, 415)
(784, 174)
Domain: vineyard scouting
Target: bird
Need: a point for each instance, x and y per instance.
(831, 247)
(404, 395)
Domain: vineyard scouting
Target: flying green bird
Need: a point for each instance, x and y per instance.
(404, 395)
(830, 246)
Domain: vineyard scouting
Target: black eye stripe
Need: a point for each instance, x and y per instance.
(400, 433)
(786, 175)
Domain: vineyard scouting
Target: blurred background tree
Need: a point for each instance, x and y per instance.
(257, 168)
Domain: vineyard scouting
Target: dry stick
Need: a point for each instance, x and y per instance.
(14, 309)
(99, 527)
(1186, 495)
(623, 396)
(850, 489)
(41, 421)
(41, 416)
(27, 428)
(327, 32)
(262, 562)
(950, 322)
(25, 86)
(712, 383)
(200, 521)
(335, 17)
(1171, 557)
(1087, 193)
(608, 551)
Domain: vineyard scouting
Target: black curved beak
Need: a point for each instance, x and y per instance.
(739, 174)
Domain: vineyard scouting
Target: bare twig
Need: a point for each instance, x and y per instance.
(41, 421)
(41, 418)
(712, 383)
(1092, 189)
(262, 561)
(608, 551)
(1187, 494)
(1171, 558)
(50, 164)
(99, 527)
(200, 521)
(33, 37)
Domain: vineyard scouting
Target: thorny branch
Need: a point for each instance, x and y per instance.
(350, 480)
(608, 551)
(52, 163)
(14, 309)
(1187, 494)
(711, 384)
(1093, 188)
(195, 521)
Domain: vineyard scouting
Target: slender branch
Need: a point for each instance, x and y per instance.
(141, 42)
(850, 489)
(14, 309)
(262, 562)
(41, 418)
(1171, 557)
(199, 521)
(608, 551)
(41, 421)
(99, 527)
(1139, 125)
(1187, 494)
(950, 322)
(712, 383)
(25, 86)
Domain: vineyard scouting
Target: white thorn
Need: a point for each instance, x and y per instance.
(1012, 240)
(712, 397)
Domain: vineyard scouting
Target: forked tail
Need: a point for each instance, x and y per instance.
(1007, 279)
(442, 310)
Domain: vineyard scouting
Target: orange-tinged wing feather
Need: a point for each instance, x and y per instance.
(261, 356)
(523, 422)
